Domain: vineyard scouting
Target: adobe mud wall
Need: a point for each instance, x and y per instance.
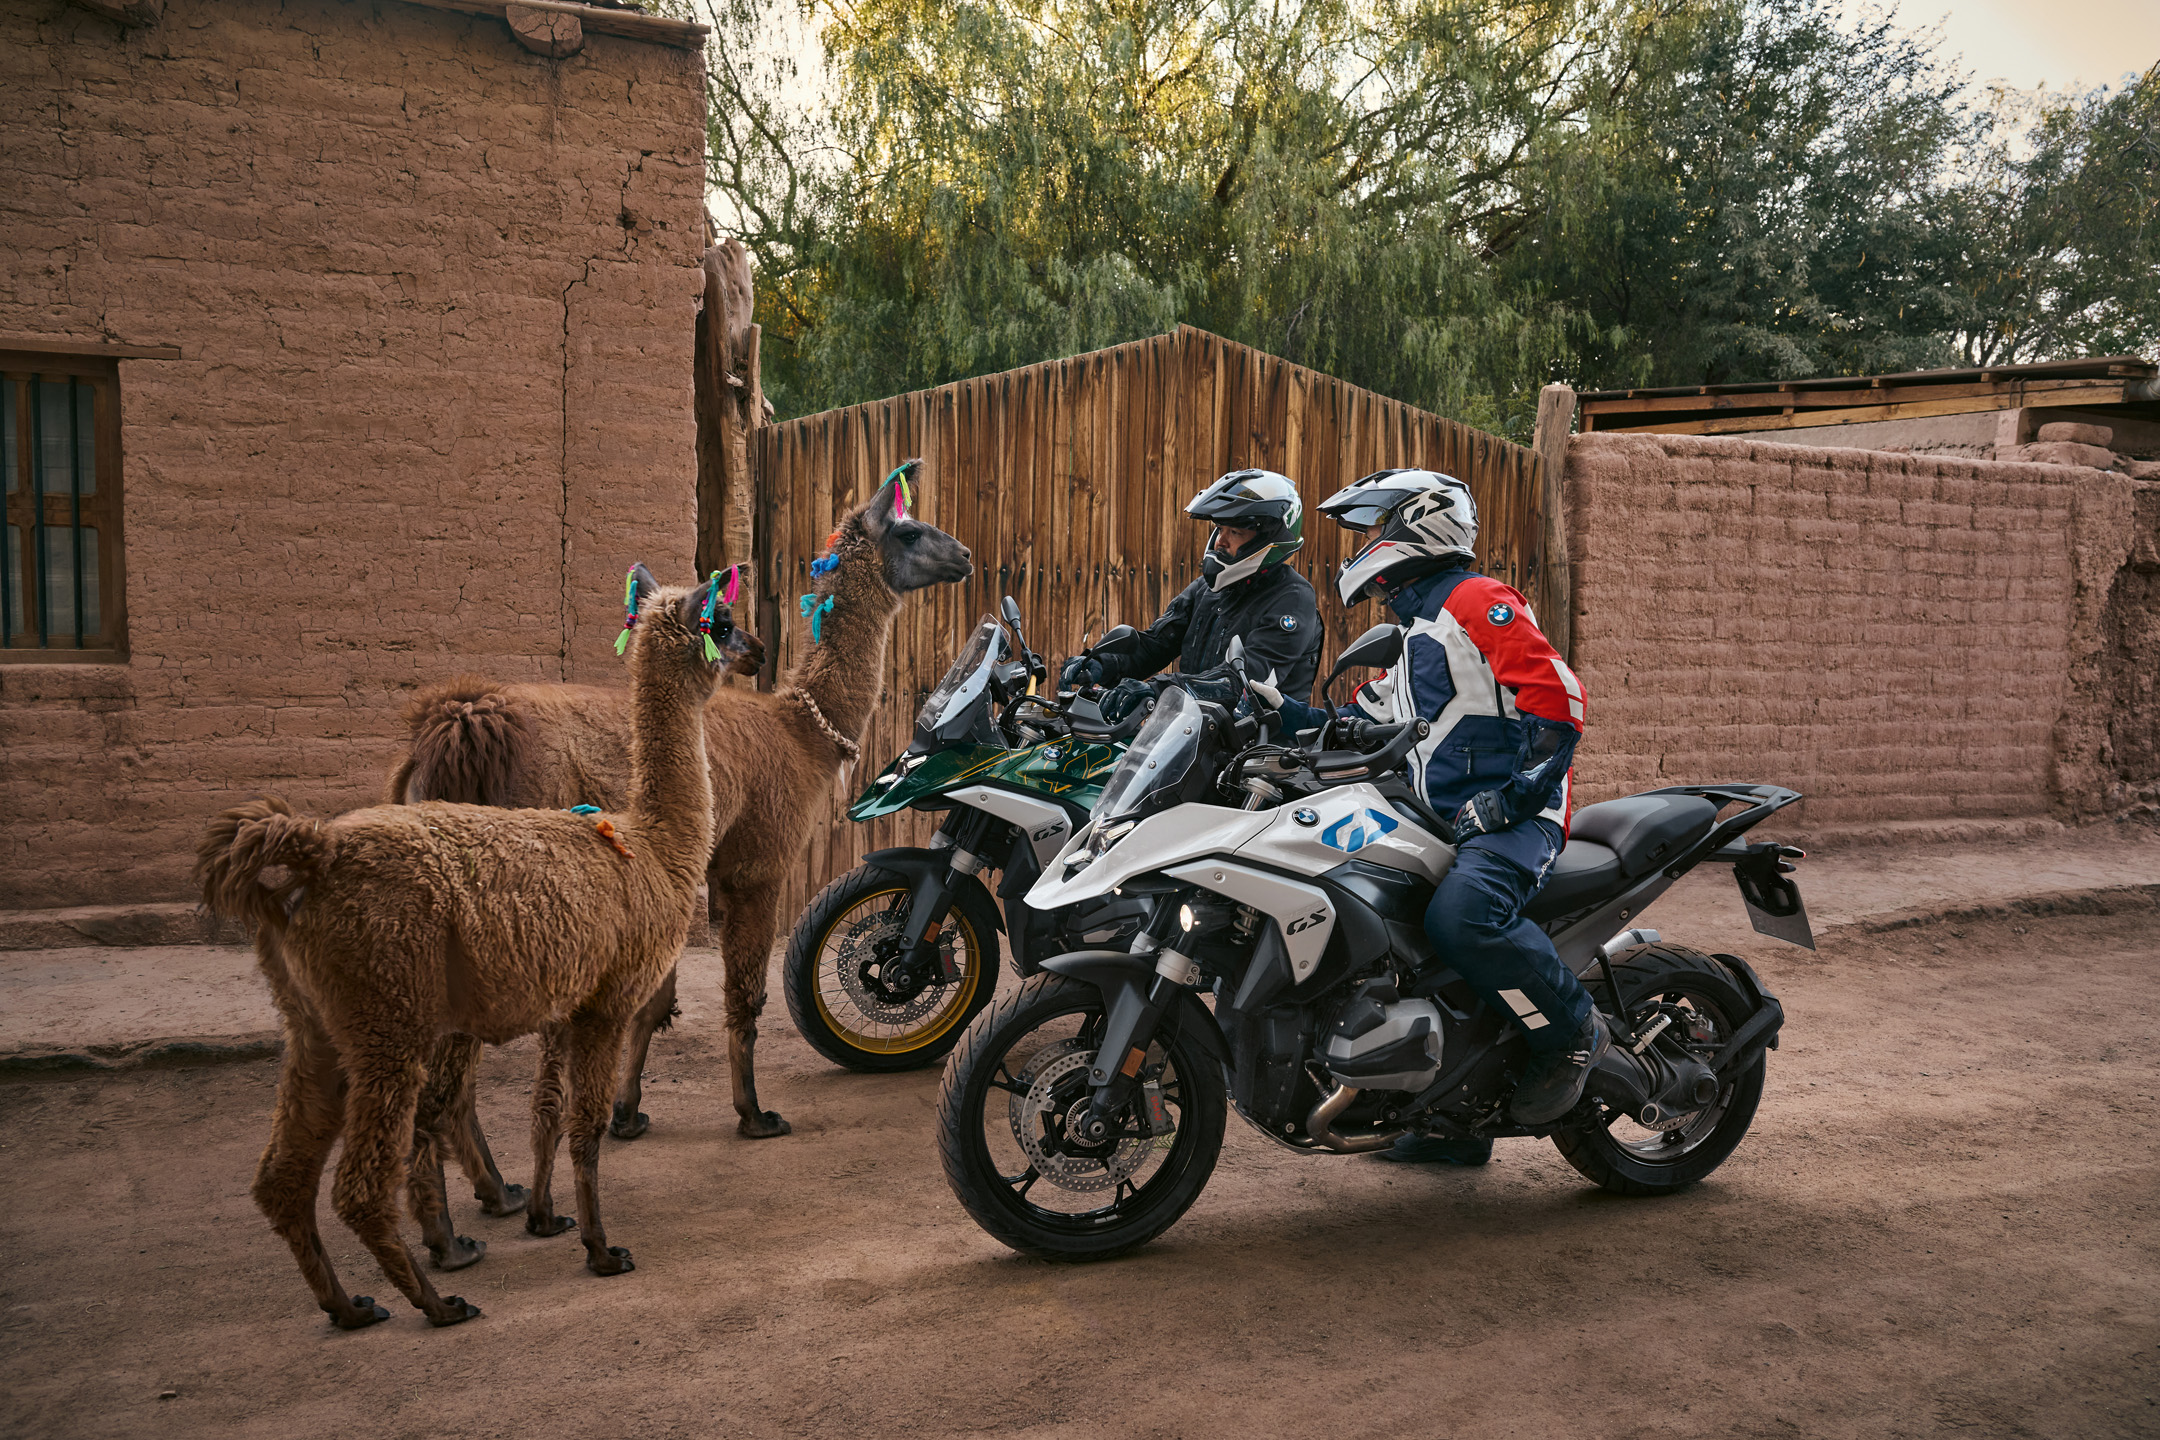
(434, 298)
(1903, 638)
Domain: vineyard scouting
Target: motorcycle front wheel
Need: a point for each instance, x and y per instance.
(850, 999)
(1020, 1072)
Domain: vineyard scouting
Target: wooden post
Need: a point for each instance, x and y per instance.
(730, 404)
(1555, 598)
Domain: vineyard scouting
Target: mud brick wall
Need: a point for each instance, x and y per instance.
(434, 296)
(1902, 638)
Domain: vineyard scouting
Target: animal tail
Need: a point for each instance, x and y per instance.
(468, 744)
(247, 840)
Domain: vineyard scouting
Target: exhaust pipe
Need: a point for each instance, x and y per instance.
(1320, 1125)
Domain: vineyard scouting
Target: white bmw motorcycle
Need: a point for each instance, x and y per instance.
(1287, 885)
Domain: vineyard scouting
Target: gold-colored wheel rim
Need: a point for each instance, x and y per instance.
(855, 1015)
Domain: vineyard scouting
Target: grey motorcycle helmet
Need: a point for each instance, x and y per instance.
(1262, 501)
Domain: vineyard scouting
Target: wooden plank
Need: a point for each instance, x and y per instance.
(628, 24)
(1883, 394)
(30, 347)
(1826, 419)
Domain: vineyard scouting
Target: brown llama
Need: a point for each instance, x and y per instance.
(393, 926)
(470, 743)
(774, 756)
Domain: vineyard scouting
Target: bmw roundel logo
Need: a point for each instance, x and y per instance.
(1289, 622)
(1306, 817)
(1501, 613)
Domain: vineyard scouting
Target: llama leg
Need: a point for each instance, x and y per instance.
(426, 1192)
(381, 1103)
(658, 1014)
(461, 1127)
(744, 951)
(547, 1122)
(595, 1047)
(496, 1195)
(310, 1112)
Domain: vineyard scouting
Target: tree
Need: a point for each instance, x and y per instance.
(1448, 201)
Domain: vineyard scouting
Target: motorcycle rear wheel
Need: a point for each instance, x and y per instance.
(831, 974)
(1709, 1005)
(1017, 1073)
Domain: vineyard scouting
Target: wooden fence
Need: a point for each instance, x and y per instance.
(1069, 480)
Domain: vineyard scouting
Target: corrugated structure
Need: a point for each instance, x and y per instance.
(1069, 480)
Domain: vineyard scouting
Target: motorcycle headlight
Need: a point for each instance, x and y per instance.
(1108, 836)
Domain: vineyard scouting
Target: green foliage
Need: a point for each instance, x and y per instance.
(1448, 201)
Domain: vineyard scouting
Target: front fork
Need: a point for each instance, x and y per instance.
(960, 839)
(1138, 1001)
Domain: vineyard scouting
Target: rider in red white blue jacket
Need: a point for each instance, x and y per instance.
(1506, 713)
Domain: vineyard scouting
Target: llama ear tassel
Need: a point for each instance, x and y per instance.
(705, 618)
(734, 584)
(629, 602)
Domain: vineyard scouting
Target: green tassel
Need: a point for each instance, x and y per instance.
(712, 651)
(622, 641)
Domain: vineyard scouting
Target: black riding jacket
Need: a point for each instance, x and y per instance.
(1273, 611)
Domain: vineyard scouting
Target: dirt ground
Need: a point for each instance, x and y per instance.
(1943, 1223)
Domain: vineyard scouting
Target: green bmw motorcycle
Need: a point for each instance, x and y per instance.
(890, 962)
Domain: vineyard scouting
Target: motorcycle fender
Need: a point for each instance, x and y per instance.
(928, 876)
(1124, 980)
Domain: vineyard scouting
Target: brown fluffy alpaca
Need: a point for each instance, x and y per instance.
(773, 765)
(394, 926)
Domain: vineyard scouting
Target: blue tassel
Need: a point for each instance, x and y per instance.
(824, 565)
(584, 809)
(815, 613)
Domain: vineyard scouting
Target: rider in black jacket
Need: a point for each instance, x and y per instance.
(1245, 592)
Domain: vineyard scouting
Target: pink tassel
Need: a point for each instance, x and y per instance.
(734, 584)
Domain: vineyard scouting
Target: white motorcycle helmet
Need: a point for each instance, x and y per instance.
(1421, 515)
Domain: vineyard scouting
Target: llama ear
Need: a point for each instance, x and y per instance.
(894, 500)
(642, 588)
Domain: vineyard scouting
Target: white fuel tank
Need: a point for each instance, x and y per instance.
(1314, 836)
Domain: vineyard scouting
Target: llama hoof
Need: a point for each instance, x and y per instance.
(512, 1202)
(364, 1312)
(628, 1128)
(454, 1312)
(461, 1252)
(615, 1262)
(765, 1125)
(548, 1226)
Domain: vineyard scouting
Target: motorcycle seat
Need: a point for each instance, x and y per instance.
(1585, 871)
(1644, 831)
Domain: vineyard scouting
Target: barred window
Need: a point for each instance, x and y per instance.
(61, 591)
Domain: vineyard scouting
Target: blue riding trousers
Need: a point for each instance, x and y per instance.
(1475, 924)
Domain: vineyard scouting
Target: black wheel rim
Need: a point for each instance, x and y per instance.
(1699, 1026)
(1029, 1087)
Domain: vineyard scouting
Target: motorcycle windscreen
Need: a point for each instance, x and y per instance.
(1160, 755)
(964, 683)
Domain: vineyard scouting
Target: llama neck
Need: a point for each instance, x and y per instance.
(844, 673)
(670, 787)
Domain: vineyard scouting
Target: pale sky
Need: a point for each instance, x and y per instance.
(2059, 43)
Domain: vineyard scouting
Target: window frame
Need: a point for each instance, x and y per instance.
(105, 510)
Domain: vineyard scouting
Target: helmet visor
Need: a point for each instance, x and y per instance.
(1363, 506)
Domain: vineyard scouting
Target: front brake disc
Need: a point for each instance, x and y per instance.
(1100, 1168)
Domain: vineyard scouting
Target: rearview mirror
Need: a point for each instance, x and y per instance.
(1376, 649)
(1010, 610)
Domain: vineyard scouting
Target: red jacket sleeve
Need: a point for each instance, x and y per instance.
(1499, 624)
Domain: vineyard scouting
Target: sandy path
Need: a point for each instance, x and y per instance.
(1944, 1223)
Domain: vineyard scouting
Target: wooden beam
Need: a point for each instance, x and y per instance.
(1869, 414)
(629, 24)
(1827, 399)
(1556, 592)
(40, 344)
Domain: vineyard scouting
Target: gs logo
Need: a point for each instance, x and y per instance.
(1307, 923)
